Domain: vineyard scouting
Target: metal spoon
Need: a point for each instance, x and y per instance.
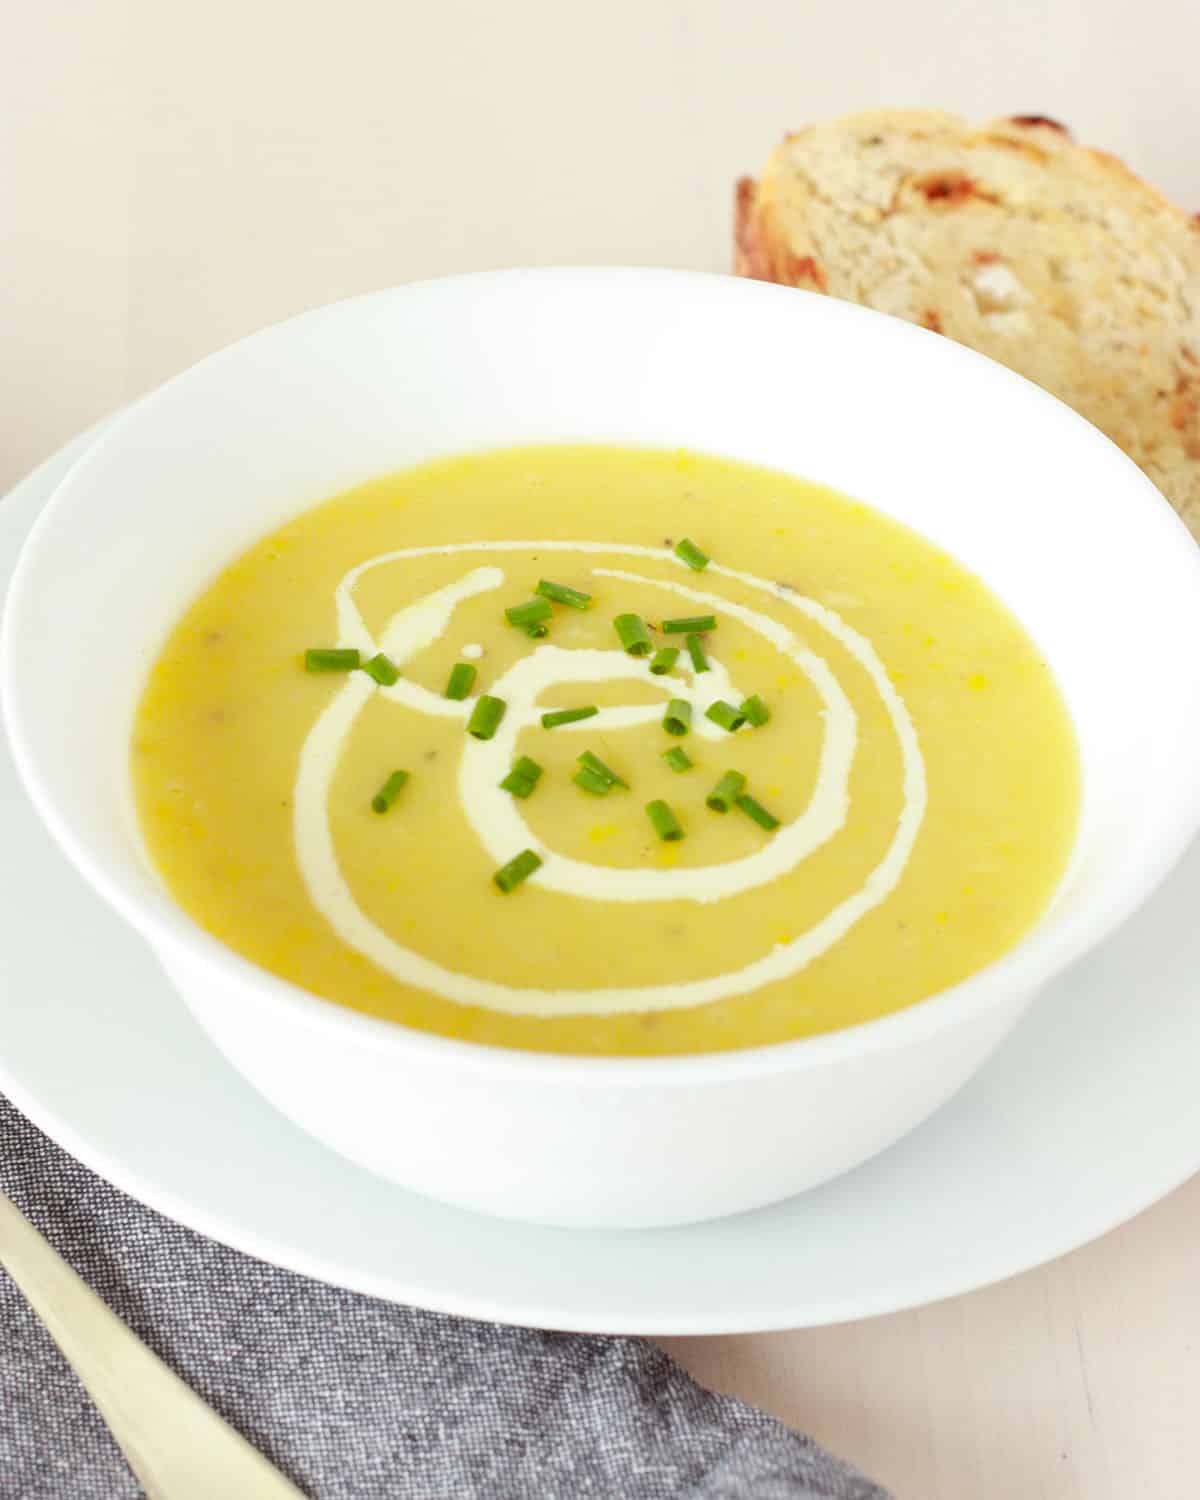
(176, 1445)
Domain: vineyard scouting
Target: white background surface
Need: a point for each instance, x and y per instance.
(174, 175)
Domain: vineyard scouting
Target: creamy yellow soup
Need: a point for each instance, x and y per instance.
(912, 791)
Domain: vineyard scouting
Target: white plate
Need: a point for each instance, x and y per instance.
(1088, 1114)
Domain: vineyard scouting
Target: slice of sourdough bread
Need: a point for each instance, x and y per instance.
(1049, 257)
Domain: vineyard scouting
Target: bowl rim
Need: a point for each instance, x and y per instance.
(1051, 945)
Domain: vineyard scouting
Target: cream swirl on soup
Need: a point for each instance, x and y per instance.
(497, 820)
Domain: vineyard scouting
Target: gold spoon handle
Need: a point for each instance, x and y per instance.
(176, 1445)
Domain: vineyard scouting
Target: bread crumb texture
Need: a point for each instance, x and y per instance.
(1043, 254)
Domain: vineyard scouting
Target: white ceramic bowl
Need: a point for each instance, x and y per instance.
(1019, 488)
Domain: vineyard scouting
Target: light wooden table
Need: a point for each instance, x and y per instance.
(173, 175)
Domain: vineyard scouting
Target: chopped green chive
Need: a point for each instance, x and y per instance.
(382, 669)
(462, 680)
(688, 552)
(631, 629)
(756, 711)
(388, 792)
(591, 781)
(666, 824)
(664, 660)
(725, 715)
(534, 612)
(696, 651)
(688, 624)
(485, 717)
(726, 792)
(596, 765)
(678, 717)
(677, 758)
(568, 716)
(523, 777)
(536, 631)
(758, 812)
(332, 659)
(510, 876)
(561, 594)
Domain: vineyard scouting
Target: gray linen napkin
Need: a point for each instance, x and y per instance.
(357, 1399)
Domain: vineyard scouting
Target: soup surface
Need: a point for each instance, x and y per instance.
(916, 755)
